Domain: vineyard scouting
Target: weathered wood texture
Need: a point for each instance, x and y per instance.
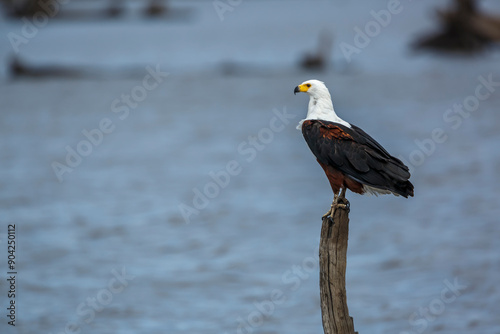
(332, 266)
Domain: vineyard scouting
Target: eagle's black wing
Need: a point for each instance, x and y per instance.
(356, 154)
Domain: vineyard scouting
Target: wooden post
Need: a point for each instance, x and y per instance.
(332, 266)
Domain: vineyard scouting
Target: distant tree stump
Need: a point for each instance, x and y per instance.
(463, 28)
(28, 8)
(332, 267)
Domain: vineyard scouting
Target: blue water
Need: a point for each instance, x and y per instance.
(123, 242)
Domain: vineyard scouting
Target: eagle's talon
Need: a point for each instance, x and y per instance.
(328, 217)
(344, 204)
(329, 213)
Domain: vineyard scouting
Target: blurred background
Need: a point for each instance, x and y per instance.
(150, 162)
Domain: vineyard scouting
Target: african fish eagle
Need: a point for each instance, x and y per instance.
(350, 158)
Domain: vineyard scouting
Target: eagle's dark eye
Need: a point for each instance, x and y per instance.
(308, 85)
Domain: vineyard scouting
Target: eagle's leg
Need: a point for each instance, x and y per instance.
(342, 202)
(332, 208)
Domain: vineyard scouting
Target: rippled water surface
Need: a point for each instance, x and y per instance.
(123, 242)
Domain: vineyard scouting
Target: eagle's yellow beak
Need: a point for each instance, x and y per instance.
(301, 88)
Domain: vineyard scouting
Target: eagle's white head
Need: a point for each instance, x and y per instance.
(314, 88)
(320, 101)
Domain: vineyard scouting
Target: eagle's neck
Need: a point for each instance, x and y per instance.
(321, 107)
